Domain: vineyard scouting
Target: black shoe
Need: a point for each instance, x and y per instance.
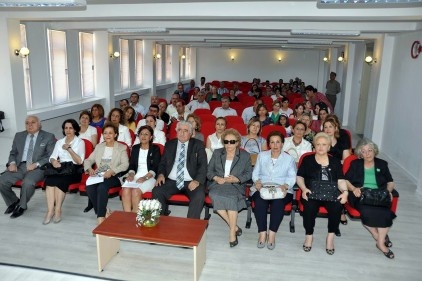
(343, 222)
(338, 233)
(17, 212)
(330, 251)
(11, 208)
(88, 208)
(239, 231)
(234, 243)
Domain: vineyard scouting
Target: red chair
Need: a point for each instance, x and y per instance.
(246, 100)
(206, 118)
(268, 129)
(240, 127)
(207, 128)
(161, 147)
(172, 130)
(132, 136)
(268, 101)
(214, 104)
(139, 117)
(231, 119)
(238, 106)
(89, 148)
(99, 133)
(200, 111)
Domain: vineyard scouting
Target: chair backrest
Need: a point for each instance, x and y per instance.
(199, 111)
(214, 104)
(240, 127)
(207, 128)
(89, 148)
(160, 146)
(127, 148)
(347, 161)
(206, 118)
(99, 133)
(349, 135)
(132, 136)
(172, 130)
(246, 100)
(139, 117)
(268, 101)
(233, 119)
(238, 106)
(266, 130)
(303, 156)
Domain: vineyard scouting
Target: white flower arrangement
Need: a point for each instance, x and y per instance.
(148, 212)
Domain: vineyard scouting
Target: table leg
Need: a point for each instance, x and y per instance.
(106, 248)
(199, 256)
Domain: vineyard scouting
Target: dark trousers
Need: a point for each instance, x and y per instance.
(196, 197)
(310, 211)
(276, 211)
(98, 194)
(332, 99)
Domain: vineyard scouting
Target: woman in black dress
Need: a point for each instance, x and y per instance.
(372, 172)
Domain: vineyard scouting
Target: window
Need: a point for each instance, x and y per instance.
(86, 50)
(58, 66)
(168, 68)
(124, 64)
(26, 75)
(188, 55)
(185, 63)
(158, 63)
(139, 62)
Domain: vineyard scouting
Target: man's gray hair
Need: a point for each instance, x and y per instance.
(183, 122)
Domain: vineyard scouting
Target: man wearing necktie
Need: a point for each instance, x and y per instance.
(182, 169)
(30, 150)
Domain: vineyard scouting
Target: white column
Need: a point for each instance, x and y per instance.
(103, 80)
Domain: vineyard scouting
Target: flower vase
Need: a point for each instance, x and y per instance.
(150, 221)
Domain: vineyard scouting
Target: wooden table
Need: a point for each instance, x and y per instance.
(170, 231)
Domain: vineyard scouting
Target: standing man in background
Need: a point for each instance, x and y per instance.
(333, 88)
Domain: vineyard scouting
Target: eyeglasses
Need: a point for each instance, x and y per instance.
(230, 141)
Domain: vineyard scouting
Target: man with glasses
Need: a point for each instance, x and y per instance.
(199, 103)
(30, 150)
(182, 169)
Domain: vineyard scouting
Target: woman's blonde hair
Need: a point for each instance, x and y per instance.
(322, 135)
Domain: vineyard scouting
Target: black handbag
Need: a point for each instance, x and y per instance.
(66, 169)
(375, 197)
(324, 190)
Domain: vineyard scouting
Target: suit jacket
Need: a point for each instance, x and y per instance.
(241, 167)
(119, 162)
(356, 173)
(43, 147)
(153, 158)
(196, 162)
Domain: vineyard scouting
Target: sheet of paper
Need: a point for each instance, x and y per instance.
(131, 184)
(94, 179)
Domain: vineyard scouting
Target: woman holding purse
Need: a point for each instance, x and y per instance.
(315, 172)
(373, 173)
(279, 168)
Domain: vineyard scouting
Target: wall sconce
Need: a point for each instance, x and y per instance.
(232, 58)
(183, 57)
(279, 59)
(341, 57)
(157, 56)
(22, 52)
(115, 55)
(370, 60)
(325, 59)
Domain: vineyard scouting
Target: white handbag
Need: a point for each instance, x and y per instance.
(270, 191)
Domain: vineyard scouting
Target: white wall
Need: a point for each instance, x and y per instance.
(402, 137)
(215, 64)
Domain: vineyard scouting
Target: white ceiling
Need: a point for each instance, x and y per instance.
(234, 24)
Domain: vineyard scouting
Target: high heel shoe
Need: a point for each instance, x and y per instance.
(238, 231)
(343, 222)
(330, 251)
(234, 243)
(260, 244)
(388, 254)
(306, 248)
(388, 242)
(271, 246)
(47, 219)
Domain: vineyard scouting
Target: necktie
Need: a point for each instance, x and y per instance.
(30, 151)
(180, 177)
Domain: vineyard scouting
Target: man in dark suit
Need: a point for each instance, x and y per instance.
(182, 169)
(30, 150)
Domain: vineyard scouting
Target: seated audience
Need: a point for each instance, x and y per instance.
(97, 114)
(171, 108)
(134, 102)
(117, 118)
(111, 159)
(317, 125)
(202, 83)
(71, 148)
(182, 169)
(225, 109)
(249, 112)
(182, 93)
(196, 124)
(298, 112)
(199, 103)
(285, 109)
(31, 149)
(315, 97)
(162, 114)
(158, 135)
(87, 131)
(232, 96)
(213, 95)
(181, 112)
(285, 123)
(228, 171)
(253, 142)
(308, 108)
(214, 140)
(123, 103)
(222, 90)
(371, 172)
(153, 111)
(315, 168)
(276, 167)
(255, 92)
(143, 166)
(339, 149)
(130, 118)
(262, 115)
(296, 145)
(309, 134)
